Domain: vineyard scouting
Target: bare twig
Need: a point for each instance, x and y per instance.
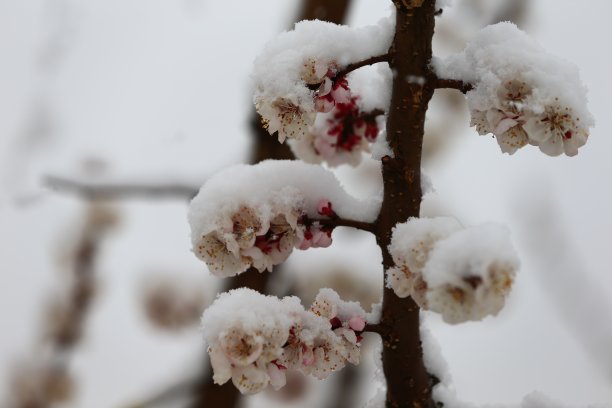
(341, 222)
(463, 87)
(113, 191)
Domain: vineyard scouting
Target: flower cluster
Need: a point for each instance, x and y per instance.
(339, 137)
(317, 90)
(255, 215)
(261, 236)
(299, 73)
(515, 123)
(253, 339)
(521, 94)
(462, 273)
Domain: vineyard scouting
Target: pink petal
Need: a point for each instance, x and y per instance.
(357, 323)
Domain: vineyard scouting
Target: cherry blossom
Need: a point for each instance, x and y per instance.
(254, 338)
(557, 131)
(258, 237)
(520, 93)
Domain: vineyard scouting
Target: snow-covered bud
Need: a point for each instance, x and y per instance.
(463, 274)
(410, 246)
(252, 338)
(470, 274)
(255, 215)
(522, 94)
(245, 332)
(298, 73)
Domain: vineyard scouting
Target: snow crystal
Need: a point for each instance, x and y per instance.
(522, 94)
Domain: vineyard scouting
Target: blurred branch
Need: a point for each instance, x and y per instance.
(176, 391)
(113, 191)
(514, 11)
(45, 380)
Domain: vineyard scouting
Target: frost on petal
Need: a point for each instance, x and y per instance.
(522, 94)
(470, 273)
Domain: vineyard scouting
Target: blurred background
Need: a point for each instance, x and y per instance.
(115, 111)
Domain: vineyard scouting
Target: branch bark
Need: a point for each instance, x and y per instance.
(408, 383)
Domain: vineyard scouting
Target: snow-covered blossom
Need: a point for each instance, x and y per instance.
(245, 332)
(340, 137)
(298, 73)
(410, 245)
(463, 274)
(252, 338)
(522, 94)
(255, 215)
(470, 273)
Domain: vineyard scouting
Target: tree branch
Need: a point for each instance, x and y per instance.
(463, 87)
(377, 328)
(408, 383)
(341, 222)
(113, 191)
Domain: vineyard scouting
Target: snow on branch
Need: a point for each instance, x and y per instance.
(521, 93)
(303, 71)
(253, 339)
(462, 273)
(255, 215)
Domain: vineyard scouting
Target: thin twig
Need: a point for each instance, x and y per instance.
(461, 86)
(376, 328)
(113, 191)
(341, 222)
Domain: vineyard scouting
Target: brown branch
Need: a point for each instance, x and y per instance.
(341, 222)
(377, 328)
(408, 383)
(113, 191)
